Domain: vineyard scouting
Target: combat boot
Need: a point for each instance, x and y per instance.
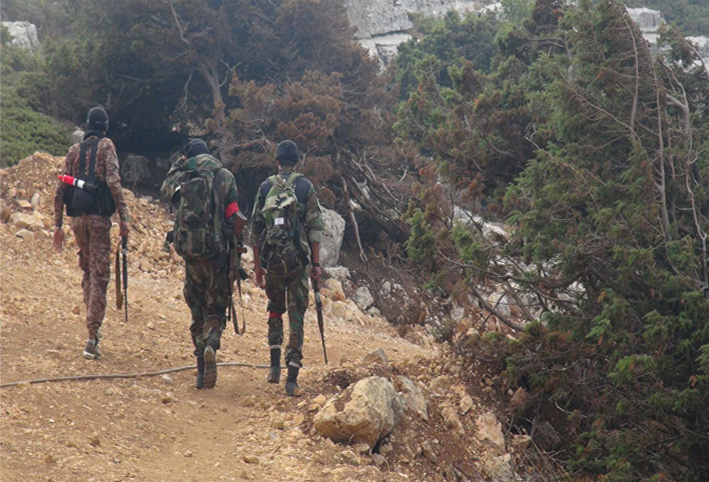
(210, 366)
(91, 350)
(274, 373)
(199, 384)
(292, 381)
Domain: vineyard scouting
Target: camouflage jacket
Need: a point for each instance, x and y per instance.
(106, 169)
(224, 183)
(308, 209)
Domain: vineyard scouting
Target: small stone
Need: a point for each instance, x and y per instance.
(50, 459)
(350, 457)
(187, 453)
(466, 404)
(361, 448)
(252, 459)
(95, 441)
(428, 452)
(377, 356)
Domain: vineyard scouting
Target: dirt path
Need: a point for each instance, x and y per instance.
(160, 428)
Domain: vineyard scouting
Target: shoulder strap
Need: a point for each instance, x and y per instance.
(302, 186)
(93, 143)
(263, 192)
(292, 179)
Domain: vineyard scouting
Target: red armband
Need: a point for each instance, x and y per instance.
(232, 209)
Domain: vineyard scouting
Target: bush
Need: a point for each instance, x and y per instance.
(25, 131)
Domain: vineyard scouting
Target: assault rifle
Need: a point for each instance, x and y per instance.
(240, 275)
(321, 323)
(122, 296)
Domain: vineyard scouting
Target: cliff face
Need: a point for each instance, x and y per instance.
(379, 17)
(649, 22)
(382, 24)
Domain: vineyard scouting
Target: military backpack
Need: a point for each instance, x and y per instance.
(283, 242)
(197, 231)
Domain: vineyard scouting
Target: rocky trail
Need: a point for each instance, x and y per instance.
(160, 428)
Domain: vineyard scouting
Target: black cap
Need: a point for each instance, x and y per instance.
(97, 120)
(195, 147)
(287, 153)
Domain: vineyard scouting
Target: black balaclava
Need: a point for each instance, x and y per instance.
(96, 123)
(287, 153)
(194, 148)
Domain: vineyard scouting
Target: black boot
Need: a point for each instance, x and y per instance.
(210, 365)
(274, 373)
(200, 373)
(292, 381)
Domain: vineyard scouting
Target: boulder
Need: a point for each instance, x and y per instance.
(333, 232)
(363, 298)
(413, 397)
(363, 413)
(24, 35)
(135, 170)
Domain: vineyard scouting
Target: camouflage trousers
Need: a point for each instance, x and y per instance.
(207, 294)
(295, 288)
(93, 237)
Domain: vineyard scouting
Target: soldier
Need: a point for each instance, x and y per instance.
(205, 198)
(95, 162)
(286, 235)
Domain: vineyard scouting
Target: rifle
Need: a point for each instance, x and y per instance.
(240, 274)
(119, 292)
(124, 245)
(318, 306)
(240, 249)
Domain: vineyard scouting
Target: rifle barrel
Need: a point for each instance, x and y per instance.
(321, 323)
(124, 245)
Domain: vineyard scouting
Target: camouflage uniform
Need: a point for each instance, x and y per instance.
(206, 287)
(92, 231)
(294, 285)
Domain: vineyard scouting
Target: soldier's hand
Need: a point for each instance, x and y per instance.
(315, 272)
(124, 229)
(58, 241)
(259, 273)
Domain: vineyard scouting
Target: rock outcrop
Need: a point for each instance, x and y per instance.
(649, 23)
(24, 35)
(383, 25)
